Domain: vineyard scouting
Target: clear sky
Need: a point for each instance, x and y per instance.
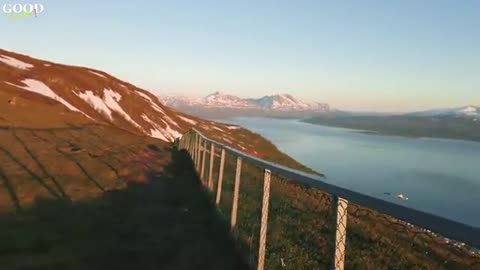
(358, 55)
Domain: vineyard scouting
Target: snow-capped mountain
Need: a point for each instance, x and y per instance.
(466, 111)
(286, 102)
(218, 99)
(62, 94)
(178, 101)
(281, 102)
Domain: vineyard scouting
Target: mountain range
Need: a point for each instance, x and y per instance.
(272, 103)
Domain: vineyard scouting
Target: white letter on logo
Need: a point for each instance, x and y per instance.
(40, 8)
(28, 8)
(17, 8)
(7, 8)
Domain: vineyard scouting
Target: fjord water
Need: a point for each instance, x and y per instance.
(438, 176)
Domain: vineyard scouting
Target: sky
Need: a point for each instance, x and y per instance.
(356, 55)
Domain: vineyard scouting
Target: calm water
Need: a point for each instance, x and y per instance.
(438, 176)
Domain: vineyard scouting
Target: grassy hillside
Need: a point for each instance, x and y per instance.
(301, 227)
(412, 126)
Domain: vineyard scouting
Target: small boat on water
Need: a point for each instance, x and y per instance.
(402, 197)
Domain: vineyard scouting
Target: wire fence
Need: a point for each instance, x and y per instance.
(282, 220)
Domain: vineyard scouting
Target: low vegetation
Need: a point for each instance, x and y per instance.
(411, 126)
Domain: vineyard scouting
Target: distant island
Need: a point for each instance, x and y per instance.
(434, 125)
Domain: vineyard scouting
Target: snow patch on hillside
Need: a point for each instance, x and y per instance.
(145, 96)
(217, 128)
(233, 127)
(157, 108)
(156, 131)
(15, 62)
(167, 134)
(188, 120)
(153, 104)
(39, 87)
(111, 99)
(171, 121)
(98, 74)
(96, 103)
(227, 140)
(107, 104)
(173, 133)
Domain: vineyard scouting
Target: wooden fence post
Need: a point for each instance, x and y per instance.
(199, 153)
(220, 177)
(194, 143)
(341, 215)
(210, 171)
(194, 149)
(185, 142)
(190, 141)
(233, 220)
(264, 220)
(204, 159)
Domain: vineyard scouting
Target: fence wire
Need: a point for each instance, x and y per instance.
(249, 210)
(299, 234)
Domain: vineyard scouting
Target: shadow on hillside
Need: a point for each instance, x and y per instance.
(44, 177)
(168, 223)
(34, 176)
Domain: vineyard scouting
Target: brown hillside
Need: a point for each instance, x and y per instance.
(94, 95)
(82, 190)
